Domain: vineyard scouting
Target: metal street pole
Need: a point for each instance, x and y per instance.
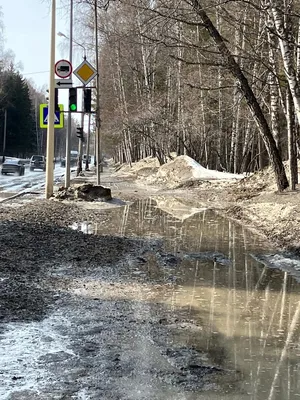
(88, 144)
(98, 121)
(80, 144)
(4, 135)
(69, 120)
(51, 111)
(36, 124)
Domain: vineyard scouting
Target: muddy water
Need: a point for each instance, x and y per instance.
(245, 309)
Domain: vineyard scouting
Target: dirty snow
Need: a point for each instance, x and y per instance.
(287, 262)
(181, 169)
(25, 344)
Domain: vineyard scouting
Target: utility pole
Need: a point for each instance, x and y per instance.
(4, 135)
(36, 125)
(51, 110)
(98, 120)
(69, 120)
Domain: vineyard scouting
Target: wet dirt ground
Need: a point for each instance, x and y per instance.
(152, 299)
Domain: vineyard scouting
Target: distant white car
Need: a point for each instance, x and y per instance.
(73, 159)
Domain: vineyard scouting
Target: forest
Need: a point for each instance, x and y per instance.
(216, 80)
(20, 133)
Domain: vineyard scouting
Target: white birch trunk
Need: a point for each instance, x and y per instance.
(286, 53)
(180, 131)
(291, 141)
(236, 111)
(273, 82)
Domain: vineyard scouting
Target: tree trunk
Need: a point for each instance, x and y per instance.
(291, 140)
(273, 83)
(287, 53)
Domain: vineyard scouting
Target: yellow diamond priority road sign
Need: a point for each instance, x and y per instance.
(85, 72)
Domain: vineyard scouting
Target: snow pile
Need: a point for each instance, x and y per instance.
(146, 166)
(174, 172)
(184, 168)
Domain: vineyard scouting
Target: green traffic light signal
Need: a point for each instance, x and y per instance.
(73, 99)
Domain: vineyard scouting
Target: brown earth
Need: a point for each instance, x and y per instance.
(62, 280)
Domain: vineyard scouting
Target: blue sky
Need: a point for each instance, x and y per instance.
(27, 25)
(27, 34)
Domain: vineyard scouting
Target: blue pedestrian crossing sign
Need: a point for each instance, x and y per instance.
(58, 117)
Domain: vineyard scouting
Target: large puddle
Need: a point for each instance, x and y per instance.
(244, 307)
(196, 315)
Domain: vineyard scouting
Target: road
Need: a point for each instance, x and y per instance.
(31, 180)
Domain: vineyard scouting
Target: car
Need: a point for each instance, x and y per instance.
(12, 166)
(73, 162)
(37, 162)
(73, 159)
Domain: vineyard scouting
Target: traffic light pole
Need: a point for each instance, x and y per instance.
(4, 135)
(69, 120)
(80, 146)
(98, 120)
(88, 144)
(50, 128)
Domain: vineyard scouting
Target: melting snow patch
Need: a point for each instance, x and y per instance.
(200, 172)
(82, 395)
(23, 344)
(84, 227)
(184, 168)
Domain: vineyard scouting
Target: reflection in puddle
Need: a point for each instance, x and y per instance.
(5, 195)
(249, 310)
(84, 227)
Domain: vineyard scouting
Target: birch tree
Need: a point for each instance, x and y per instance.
(276, 8)
(283, 26)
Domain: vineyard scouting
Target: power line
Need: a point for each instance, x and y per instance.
(32, 73)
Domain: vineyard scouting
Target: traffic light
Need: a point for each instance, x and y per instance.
(56, 106)
(79, 133)
(87, 100)
(73, 99)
